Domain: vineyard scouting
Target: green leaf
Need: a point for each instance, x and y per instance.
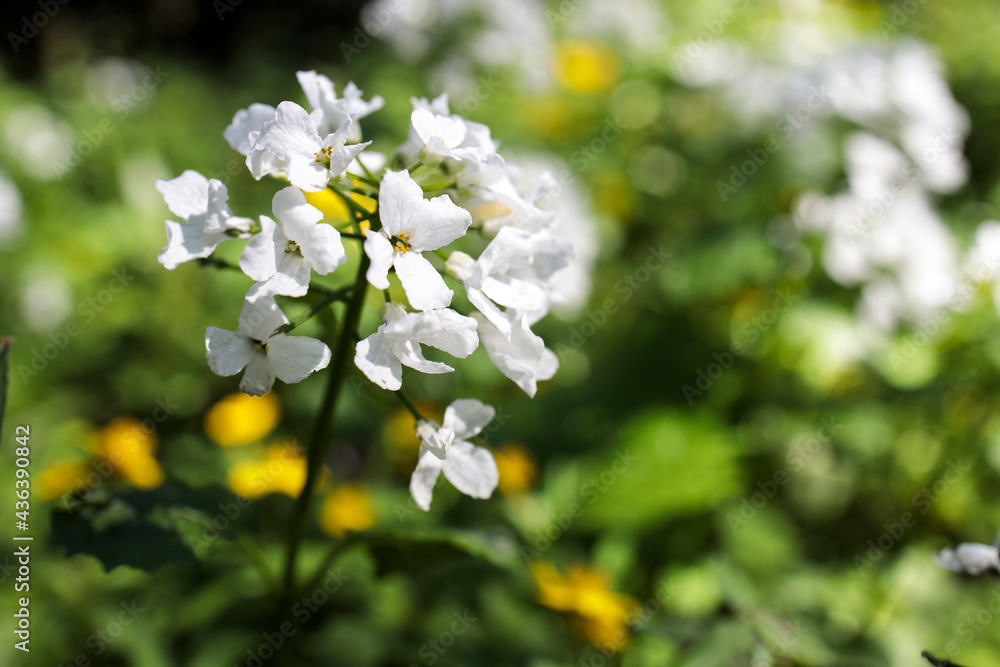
(134, 542)
(404, 551)
(663, 464)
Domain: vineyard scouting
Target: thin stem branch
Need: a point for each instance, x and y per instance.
(313, 310)
(409, 405)
(324, 419)
(338, 549)
(253, 554)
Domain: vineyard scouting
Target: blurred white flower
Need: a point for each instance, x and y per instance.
(11, 210)
(42, 142)
(969, 558)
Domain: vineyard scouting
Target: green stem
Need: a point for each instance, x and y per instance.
(314, 456)
(253, 554)
(313, 310)
(409, 405)
(335, 552)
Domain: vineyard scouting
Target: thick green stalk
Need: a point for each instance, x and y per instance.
(342, 356)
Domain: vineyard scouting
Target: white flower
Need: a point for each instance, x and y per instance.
(522, 356)
(436, 134)
(513, 271)
(290, 359)
(201, 204)
(328, 111)
(410, 225)
(281, 256)
(382, 355)
(969, 558)
(242, 133)
(310, 160)
(444, 448)
(11, 210)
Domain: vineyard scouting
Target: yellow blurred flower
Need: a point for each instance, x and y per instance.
(282, 469)
(62, 478)
(517, 468)
(333, 207)
(399, 436)
(239, 419)
(347, 508)
(596, 612)
(586, 67)
(127, 445)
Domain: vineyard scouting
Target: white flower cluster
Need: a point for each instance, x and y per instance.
(504, 249)
(883, 232)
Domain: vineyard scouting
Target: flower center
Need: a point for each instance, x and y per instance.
(400, 243)
(291, 246)
(323, 156)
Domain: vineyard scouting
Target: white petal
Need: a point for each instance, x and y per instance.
(259, 319)
(227, 352)
(245, 121)
(293, 358)
(374, 357)
(322, 248)
(523, 358)
(453, 333)
(186, 196)
(261, 162)
(258, 378)
(292, 137)
(291, 208)
(187, 242)
(409, 354)
(424, 477)
(399, 198)
(467, 417)
(260, 257)
(436, 223)
(471, 469)
(496, 316)
(425, 288)
(291, 278)
(516, 294)
(428, 126)
(379, 251)
(317, 87)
